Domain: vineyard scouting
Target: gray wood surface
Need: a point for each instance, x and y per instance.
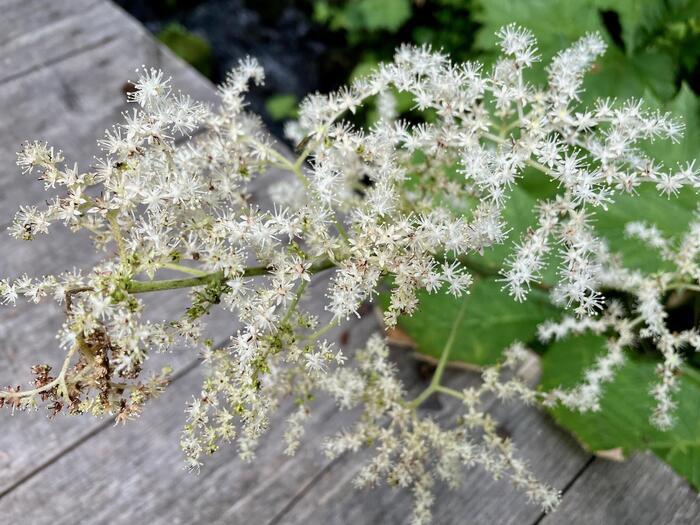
(67, 99)
(62, 67)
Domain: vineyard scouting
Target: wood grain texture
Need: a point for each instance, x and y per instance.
(553, 456)
(68, 102)
(62, 68)
(640, 491)
(71, 103)
(134, 474)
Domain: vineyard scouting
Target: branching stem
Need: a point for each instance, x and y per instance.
(683, 286)
(184, 269)
(442, 363)
(207, 278)
(59, 381)
(300, 291)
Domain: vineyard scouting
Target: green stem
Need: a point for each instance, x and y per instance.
(172, 284)
(448, 346)
(318, 333)
(449, 391)
(425, 394)
(300, 175)
(281, 159)
(207, 278)
(117, 234)
(300, 291)
(434, 385)
(183, 269)
(530, 162)
(341, 229)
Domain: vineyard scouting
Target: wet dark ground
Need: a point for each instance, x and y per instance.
(295, 52)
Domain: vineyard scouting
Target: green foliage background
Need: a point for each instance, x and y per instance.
(653, 52)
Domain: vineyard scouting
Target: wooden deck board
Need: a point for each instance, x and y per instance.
(69, 102)
(642, 490)
(553, 456)
(62, 68)
(134, 474)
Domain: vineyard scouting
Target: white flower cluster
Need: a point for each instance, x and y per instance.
(411, 451)
(174, 192)
(649, 292)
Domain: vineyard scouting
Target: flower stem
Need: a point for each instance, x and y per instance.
(530, 162)
(683, 286)
(321, 331)
(59, 382)
(434, 385)
(448, 346)
(183, 269)
(207, 278)
(300, 291)
(117, 234)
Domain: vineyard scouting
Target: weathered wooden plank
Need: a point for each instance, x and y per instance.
(35, 33)
(640, 491)
(29, 440)
(71, 102)
(60, 80)
(134, 474)
(552, 455)
(71, 117)
(68, 103)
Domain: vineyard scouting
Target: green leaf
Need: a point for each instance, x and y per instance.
(670, 214)
(519, 215)
(363, 15)
(687, 107)
(282, 106)
(623, 420)
(492, 321)
(557, 24)
(619, 76)
(635, 15)
(365, 67)
(192, 48)
(383, 14)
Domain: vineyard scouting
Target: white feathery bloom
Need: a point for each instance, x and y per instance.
(405, 205)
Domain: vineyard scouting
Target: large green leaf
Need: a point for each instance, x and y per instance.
(670, 214)
(282, 106)
(635, 16)
(555, 23)
(623, 421)
(687, 107)
(647, 72)
(492, 321)
(383, 14)
(363, 15)
(558, 23)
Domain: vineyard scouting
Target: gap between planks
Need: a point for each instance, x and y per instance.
(60, 58)
(568, 486)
